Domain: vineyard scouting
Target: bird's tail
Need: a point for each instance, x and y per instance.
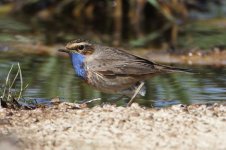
(172, 69)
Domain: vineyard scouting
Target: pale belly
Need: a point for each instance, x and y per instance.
(113, 84)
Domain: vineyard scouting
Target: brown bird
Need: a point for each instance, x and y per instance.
(113, 70)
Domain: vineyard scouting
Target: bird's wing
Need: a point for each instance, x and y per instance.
(117, 62)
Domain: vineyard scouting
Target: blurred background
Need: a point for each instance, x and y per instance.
(168, 24)
(173, 31)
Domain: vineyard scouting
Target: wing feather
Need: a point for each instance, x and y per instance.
(112, 61)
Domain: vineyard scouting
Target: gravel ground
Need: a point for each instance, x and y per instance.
(64, 126)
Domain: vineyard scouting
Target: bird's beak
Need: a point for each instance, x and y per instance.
(64, 50)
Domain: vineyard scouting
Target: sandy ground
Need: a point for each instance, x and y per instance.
(65, 126)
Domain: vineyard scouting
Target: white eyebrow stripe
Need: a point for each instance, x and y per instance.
(72, 45)
(82, 43)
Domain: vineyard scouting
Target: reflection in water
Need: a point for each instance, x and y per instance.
(49, 77)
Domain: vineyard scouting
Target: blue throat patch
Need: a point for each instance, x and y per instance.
(78, 64)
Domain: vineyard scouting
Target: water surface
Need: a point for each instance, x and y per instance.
(49, 77)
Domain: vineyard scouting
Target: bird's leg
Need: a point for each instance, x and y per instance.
(135, 94)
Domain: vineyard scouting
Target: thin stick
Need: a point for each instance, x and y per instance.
(92, 100)
(135, 93)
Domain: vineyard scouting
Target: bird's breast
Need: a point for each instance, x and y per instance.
(78, 65)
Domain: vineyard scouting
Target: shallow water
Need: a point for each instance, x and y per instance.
(49, 77)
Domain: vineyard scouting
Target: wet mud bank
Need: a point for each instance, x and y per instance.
(193, 57)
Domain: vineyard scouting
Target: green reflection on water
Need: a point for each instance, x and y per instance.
(49, 77)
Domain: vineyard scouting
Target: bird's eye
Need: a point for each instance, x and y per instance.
(81, 47)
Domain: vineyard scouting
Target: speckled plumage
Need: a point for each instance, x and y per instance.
(112, 70)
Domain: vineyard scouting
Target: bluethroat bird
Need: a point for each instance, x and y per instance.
(113, 70)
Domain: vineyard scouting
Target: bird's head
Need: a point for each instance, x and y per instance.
(78, 46)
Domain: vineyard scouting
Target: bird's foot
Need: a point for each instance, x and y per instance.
(135, 94)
